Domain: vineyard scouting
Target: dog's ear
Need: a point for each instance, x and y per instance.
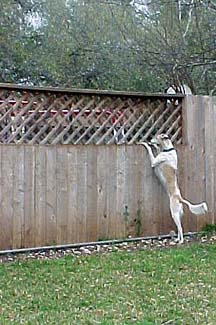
(164, 136)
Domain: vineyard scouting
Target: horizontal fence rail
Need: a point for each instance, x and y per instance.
(52, 116)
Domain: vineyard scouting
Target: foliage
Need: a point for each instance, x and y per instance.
(209, 229)
(138, 45)
(173, 286)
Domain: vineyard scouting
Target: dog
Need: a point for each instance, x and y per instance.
(165, 165)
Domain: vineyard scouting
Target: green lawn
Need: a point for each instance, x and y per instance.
(160, 286)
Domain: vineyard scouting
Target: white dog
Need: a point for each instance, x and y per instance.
(165, 165)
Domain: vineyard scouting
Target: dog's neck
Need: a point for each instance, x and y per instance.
(167, 146)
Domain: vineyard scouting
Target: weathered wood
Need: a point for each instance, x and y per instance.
(199, 120)
(82, 154)
(40, 195)
(91, 190)
(65, 194)
(62, 194)
(18, 196)
(103, 178)
(7, 206)
(51, 195)
(29, 239)
(112, 190)
(73, 218)
(210, 155)
(121, 190)
(148, 184)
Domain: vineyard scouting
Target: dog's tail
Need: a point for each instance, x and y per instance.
(197, 209)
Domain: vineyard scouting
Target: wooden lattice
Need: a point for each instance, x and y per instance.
(48, 116)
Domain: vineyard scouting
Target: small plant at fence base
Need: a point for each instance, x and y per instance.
(209, 229)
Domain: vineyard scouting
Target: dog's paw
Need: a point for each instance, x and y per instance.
(145, 144)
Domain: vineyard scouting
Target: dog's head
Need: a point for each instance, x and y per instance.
(161, 140)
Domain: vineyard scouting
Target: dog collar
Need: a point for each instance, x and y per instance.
(167, 150)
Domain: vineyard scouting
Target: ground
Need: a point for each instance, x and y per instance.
(141, 283)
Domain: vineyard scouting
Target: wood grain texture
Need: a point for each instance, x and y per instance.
(62, 194)
(29, 239)
(73, 220)
(7, 202)
(51, 195)
(40, 195)
(18, 196)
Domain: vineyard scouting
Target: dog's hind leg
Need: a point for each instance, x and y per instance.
(176, 210)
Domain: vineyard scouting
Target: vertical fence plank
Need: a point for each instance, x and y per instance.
(81, 192)
(62, 194)
(183, 166)
(135, 190)
(51, 195)
(209, 128)
(112, 190)
(130, 193)
(140, 224)
(102, 181)
(7, 175)
(18, 197)
(73, 219)
(29, 239)
(121, 188)
(150, 184)
(187, 169)
(91, 220)
(200, 156)
(40, 196)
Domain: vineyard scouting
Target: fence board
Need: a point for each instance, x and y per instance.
(40, 195)
(148, 196)
(209, 129)
(102, 188)
(73, 165)
(200, 175)
(7, 156)
(18, 196)
(51, 195)
(62, 194)
(81, 192)
(121, 190)
(112, 190)
(29, 239)
(91, 183)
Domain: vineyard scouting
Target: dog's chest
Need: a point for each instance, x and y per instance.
(167, 177)
(167, 170)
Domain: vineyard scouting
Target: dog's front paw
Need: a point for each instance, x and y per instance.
(145, 144)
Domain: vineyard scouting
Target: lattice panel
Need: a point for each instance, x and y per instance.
(43, 117)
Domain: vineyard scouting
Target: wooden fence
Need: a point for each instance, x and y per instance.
(60, 194)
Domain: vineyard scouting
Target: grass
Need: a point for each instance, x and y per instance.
(169, 286)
